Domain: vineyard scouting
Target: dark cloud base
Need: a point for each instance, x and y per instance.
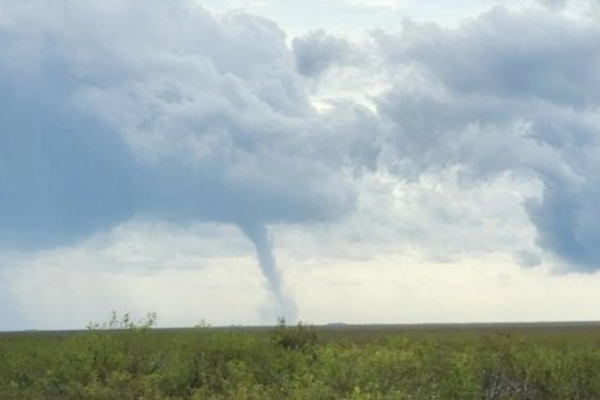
(157, 109)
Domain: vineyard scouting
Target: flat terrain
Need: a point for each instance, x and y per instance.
(124, 360)
(377, 331)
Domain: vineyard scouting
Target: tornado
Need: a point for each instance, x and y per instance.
(283, 304)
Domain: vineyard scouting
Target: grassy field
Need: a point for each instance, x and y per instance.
(123, 360)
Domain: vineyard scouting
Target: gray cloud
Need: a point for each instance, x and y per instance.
(184, 117)
(531, 54)
(510, 90)
(156, 109)
(554, 4)
(318, 51)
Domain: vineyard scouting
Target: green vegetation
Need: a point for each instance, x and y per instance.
(126, 360)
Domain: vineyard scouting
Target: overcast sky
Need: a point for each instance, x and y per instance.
(379, 161)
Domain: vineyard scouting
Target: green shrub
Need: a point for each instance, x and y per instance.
(301, 338)
(122, 359)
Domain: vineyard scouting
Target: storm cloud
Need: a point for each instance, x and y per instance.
(507, 91)
(317, 51)
(180, 116)
(159, 110)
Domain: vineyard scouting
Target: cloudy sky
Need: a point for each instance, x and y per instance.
(389, 161)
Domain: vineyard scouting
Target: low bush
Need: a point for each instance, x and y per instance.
(124, 359)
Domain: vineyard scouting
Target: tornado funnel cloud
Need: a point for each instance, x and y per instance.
(283, 305)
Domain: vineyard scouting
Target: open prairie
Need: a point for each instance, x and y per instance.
(125, 360)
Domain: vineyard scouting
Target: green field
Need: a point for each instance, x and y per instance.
(123, 360)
